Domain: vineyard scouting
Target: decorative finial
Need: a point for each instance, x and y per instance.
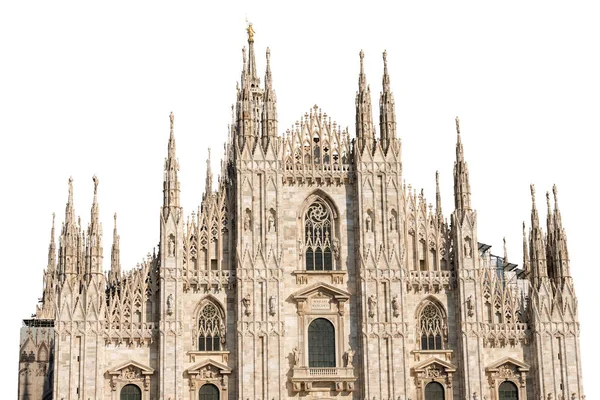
(532, 188)
(172, 119)
(505, 252)
(385, 58)
(251, 32)
(457, 125)
(555, 192)
(96, 181)
(548, 200)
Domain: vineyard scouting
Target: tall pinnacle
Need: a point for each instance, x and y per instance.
(70, 209)
(536, 244)
(438, 196)
(52, 248)
(209, 176)
(387, 112)
(364, 117)
(115, 256)
(269, 112)
(525, 251)
(462, 188)
(252, 75)
(171, 182)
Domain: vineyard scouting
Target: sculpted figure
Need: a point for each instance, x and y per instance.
(272, 305)
(296, 356)
(246, 304)
(368, 223)
(372, 303)
(396, 306)
(349, 357)
(271, 224)
(170, 304)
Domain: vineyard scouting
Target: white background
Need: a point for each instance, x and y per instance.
(86, 88)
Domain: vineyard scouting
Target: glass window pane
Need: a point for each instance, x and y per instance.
(321, 343)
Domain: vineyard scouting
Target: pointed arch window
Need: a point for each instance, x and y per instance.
(318, 237)
(431, 327)
(211, 328)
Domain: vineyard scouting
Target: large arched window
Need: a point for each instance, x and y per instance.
(508, 391)
(211, 328)
(321, 343)
(431, 327)
(318, 231)
(208, 392)
(434, 391)
(131, 392)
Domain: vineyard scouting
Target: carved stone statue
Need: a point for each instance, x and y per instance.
(171, 246)
(271, 224)
(336, 248)
(349, 357)
(170, 304)
(395, 306)
(246, 303)
(247, 222)
(468, 248)
(368, 223)
(470, 306)
(393, 226)
(372, 303)
(272, 305)
(296, 356)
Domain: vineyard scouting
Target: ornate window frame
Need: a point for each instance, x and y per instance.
(221, 330)
(337, 274)
(328, 302)
(131, 372)
(434, 370)
(208, 371)
(507, 369)
(442, 329)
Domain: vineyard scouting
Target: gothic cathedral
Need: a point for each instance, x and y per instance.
(311, 272)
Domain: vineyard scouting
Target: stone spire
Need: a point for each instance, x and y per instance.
(438, 196)
(70, 240)
(387, 113)
(171, 182)
(364, 116)
(537, 249)
(251, 70)
(52, 249)
(462, 188)
(94, 237)
(46, 309)
(557, 242)
(115, 256)
(208, 185)
(525, 251)
(269, 113)
(505, 256)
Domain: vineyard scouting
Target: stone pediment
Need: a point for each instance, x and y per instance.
(208, 365)
(434, 363)
(496, 366)
(131, 365)
(321, 288)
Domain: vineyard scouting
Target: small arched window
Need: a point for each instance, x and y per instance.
(318, 237)
(508, 391)
(208, 392)
(211, 328)
(131, 392)
(434, 391)
(321, 343)
(431, 327)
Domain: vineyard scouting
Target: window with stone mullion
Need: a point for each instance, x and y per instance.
(209, 327)
(431, 328)
(318, 237)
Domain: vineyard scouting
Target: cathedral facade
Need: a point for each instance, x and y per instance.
(311, 272)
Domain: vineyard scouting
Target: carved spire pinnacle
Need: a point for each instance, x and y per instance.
(269, 112)
(171, 182)
(387, 111)
(95, 201)
(438, 196)
(462, 188)
(115, 256)
(209, 176)
(52, 248)
(70, 209)
(364, 116)
(252, 75)
(268, 79)
(525, 251)
(505, 251)
(536, 243)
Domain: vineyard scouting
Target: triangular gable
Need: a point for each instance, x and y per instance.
(195, 369)
(434, 360)
(521, 366)
(320, 286)
(145, 369)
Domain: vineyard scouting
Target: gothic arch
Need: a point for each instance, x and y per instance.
(318, 233)
(209, 325)
(431, 322)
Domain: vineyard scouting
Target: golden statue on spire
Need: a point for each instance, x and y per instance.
(250, 33)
